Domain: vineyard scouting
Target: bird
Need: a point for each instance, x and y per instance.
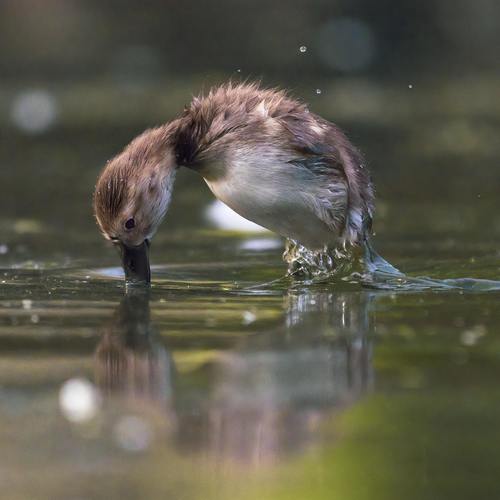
(261, 152)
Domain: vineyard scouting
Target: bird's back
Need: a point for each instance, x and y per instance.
(268, 141)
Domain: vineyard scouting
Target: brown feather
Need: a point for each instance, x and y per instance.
(228, 120)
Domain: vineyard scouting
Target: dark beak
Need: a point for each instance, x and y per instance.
(135, 261)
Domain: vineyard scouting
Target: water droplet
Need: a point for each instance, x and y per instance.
(303, 48)
(3, 249)
(318, 91)
(238, 70)
(35, 318)
(410, 86)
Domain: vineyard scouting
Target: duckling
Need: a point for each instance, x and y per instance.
(261, 152)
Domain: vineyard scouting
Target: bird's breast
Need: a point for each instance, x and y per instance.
(278, 195)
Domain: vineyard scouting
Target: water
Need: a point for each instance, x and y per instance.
(228, 380)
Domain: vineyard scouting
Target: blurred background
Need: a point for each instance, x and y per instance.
(415, 85)
(208, 388)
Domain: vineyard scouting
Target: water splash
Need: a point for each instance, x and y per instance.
(327, 262)
(367, 268)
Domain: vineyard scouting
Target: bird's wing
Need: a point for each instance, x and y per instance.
(323, 148)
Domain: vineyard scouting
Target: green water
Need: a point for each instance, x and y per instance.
(216, 386)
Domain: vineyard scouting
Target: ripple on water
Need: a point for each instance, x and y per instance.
(248, 276)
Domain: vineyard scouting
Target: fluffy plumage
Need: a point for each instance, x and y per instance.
(261, 152)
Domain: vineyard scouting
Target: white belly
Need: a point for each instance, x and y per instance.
(283, 198)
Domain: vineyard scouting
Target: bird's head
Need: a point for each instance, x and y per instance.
(131, 197)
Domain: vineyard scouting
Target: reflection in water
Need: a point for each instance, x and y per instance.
(259, 402)
(128, 360)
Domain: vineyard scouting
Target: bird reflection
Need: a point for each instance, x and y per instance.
(264, 398)
(129, 361)
(272, 401)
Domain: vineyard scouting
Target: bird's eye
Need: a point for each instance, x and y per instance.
(130, 224)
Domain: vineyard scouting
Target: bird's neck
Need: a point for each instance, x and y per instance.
(188, 139)
(175, 144)
(201, 135)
